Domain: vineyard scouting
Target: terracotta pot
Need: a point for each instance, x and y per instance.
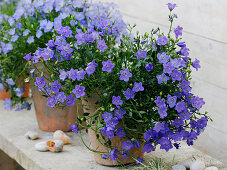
(5, 94)
(52, 119)
(89, 106)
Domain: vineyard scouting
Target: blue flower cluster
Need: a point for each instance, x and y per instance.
(143, 82)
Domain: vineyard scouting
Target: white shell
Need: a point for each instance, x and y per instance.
(178, 167)
(59, 135)
(41, 146)
(32, 135)
(58, 146)
(197, 165)
(186, 163)
(211, 168)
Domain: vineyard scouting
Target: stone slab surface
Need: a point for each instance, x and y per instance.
(13, 126)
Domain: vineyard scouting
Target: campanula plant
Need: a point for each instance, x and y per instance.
(142, 84)
(23, 29)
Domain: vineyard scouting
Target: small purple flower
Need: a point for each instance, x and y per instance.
(148, 148)
(181, 106)
(162, 78)
(55, 86)
(184, 51)
(48, 27)
(112, 122)
(72, 74)
(70, 100)
(51, 101)
(28, 57)
(10, 82)
(138, 87)
(171, 100)
(79, 91)
(129, 94)
(63, 75)
(165, 144)
(64, 31)
(14, 38)
(1, 86)
(176, 75)
(26, 32)
(91, 68)
(159, 126)
(101, 45)
(113, 155)
(171, 6)
(119, 113)
(127, 145)
(197, 102)
(40, 82)
(18, 91)
(120, 132)
(109, 133)
(167, 68)
(202, 123)
(178, 31)
(74, 128)
(117, 101)
(178, 122)
(185, 85)
(163, 58)
(162, 40)
(185, 115)
(149, 67)
(39, 33)
(47, 54)
(8, 104)
(107, 66)
(80, 74)
(159, 101)
(141, 54)
(125, 75)
(60, 41)
(89, 38)
(196, 64)
(107, 116)
(60, 97)
(162, 111)
(80, 37)
(30, 39)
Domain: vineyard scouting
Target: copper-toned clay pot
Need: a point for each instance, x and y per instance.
(89, 106)
(52, 119)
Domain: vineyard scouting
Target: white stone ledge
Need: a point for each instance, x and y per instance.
(13, 126)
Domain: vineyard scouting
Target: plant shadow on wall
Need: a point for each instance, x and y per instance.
(135, 90)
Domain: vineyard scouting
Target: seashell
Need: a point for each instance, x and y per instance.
(55, 145)
(41, 146)
(178, 167)
(32, 135)
(197, 165)
(59, 135)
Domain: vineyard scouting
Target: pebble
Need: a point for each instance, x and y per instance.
(41, 146)
(178, 167)
(197, 165)
(55, 145)
(60, 135)
(211, 168)
(187, 163)
(32, 135)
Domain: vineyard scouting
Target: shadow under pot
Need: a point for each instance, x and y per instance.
(52, 119)
(89, 106)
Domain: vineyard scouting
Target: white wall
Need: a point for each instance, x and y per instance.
(205, 32)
